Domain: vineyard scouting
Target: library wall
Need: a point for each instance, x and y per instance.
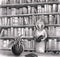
(20, 16)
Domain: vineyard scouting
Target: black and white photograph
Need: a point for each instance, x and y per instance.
(29, 28)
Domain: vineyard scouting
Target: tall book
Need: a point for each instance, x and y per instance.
(30, 32)
(50, 8)
(39, 9)
(28, 1)
(15, 32)
(11, 21)
(26, 31)
(1, 44)
(51, 19)
(42, 9)
(9, 32)
(23, 32)
(6, 21)
(58, 19)
(13, 11)
(29, 9)
(19, 31)
(46, 20)
(54, 7)
(15, 21)
(26, 21)
(3, 21)
(58, 31)
(59, 8)
(12, 31)
(1, 11)
(20, 10)
(0, 21)
(24, 10)
(5, 32)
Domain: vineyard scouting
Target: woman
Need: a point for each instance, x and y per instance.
(40, 46)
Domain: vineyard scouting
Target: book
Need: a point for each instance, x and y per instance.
(12, 31)
(51, 19)
(30, 32)
(46, 20)
(11, 21)
(24, 9)
(1, 11)
(23, 32)
(15, 21)
(13, 11)
(29, 9)
(32, 10)
(58, 19)
(20, 1)
(58, 31)
(26, 22)
(5, 32)
(55, 44)
(0, 21)
(54, 8)
(26, 31)
(3, 21)
(15, 32)
(28, 1)
(20, 10)
(19, 31)
(8, 11)
(6, 21)
(59, 8)
(9, 32)
(1, 44)
(17, 1)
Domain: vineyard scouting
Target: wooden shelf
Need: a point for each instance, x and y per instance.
(17, 26)
(56, 25)
(21, 15)
(53, 50)
(12, 37)
(9, 49)
(18, 15)
(27, 4)
(53, 37)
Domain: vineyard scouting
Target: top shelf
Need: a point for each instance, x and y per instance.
(27, 4)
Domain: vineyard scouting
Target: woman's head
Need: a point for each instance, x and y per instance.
(40, 25)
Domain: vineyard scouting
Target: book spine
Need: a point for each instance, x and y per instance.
(12, 31)
(9, 32)
(54, 7)
(59, 8)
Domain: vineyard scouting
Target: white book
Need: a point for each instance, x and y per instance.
(0, 21)
(58, 19)
(29, 9)
(54, 7)
(59, 8)
(58, 31)
(9, 32)
(6, 21)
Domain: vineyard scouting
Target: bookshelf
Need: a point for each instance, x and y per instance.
(21, 15)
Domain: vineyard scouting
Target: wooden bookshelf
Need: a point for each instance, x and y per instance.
(28, 4)
(33, 13)
(55, 25)
(19, 26)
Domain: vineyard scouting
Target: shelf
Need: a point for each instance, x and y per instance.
(32, 14)
(27, 4)
(56, 25)
(53, 50)
(12, 37)
(9, 49)
(18, 15)
(17, 26)
(53, 37)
